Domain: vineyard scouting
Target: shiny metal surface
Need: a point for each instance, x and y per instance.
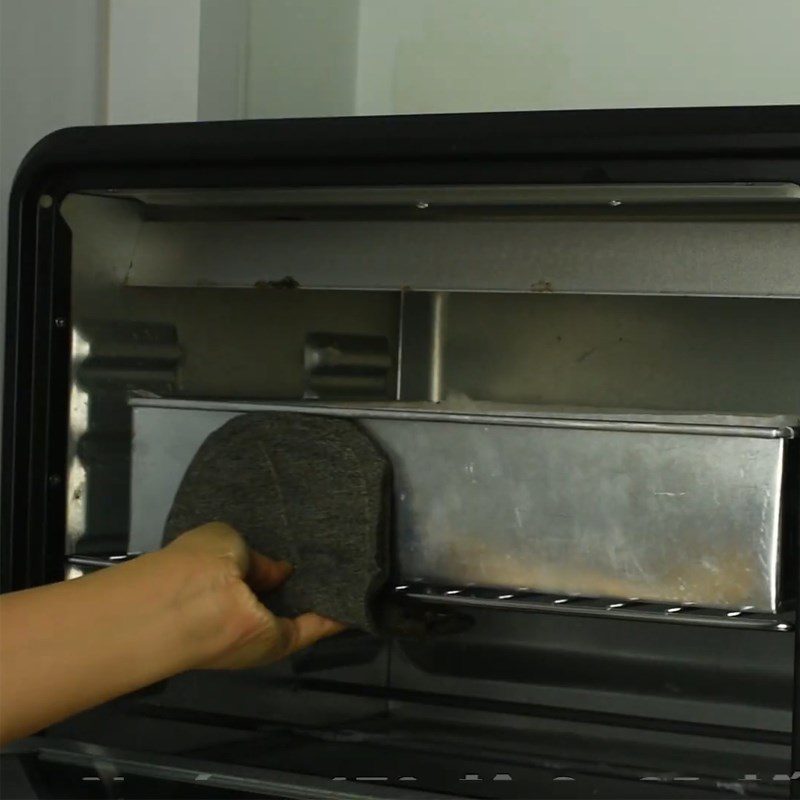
(759, 426)
(657, 516)
(221, 776)
(425, 196)
(164, 443)
(421, 352)
(98, 561)
(729, 355)
(346, 366)
(711, 257)
(665, 511)
(109, 358)
(199, 343)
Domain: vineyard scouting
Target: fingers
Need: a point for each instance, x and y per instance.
(218, 539)
(295, 634)
(264, 574)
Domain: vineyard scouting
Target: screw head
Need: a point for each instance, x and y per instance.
(45, 201)
(54, 479)
(60, 322)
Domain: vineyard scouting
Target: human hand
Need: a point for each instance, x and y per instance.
(218, 602)
(73, 644)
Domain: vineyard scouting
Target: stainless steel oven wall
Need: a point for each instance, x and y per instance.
(204, 314)
(724, 355)
(663, 249)
(203, 341)
(535, 664)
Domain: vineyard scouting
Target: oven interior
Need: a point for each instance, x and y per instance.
(667, 300)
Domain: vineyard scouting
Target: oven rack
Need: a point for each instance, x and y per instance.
(525, 600)
(529, 601)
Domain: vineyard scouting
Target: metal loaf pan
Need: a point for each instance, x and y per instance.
(683, 509)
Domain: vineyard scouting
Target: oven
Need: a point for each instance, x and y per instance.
(575, 335)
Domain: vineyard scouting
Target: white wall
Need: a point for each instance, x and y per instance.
(302, 58)
(50, 78)
(222, 79)
(154, 61)
(418, 56)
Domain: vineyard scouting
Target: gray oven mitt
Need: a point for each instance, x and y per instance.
(313, 490)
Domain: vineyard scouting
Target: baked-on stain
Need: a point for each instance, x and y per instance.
(284, 283)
